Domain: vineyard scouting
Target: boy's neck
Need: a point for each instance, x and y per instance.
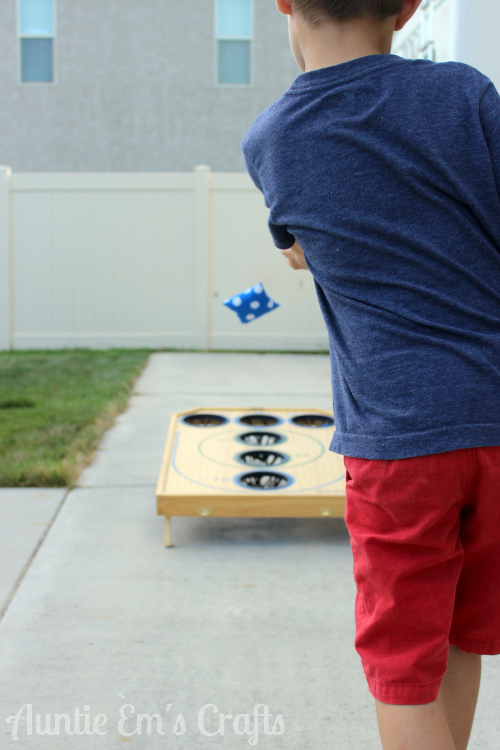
(333, 43)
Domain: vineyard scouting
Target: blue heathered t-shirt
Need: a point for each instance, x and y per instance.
(387, 172)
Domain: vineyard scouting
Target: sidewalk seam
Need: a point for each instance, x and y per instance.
(27, 566)
(114, 486)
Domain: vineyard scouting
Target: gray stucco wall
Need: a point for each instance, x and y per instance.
(135, 89)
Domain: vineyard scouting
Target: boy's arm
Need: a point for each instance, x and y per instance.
(282, 238)
(295, 258)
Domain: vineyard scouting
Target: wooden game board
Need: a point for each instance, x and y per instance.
(250, 462)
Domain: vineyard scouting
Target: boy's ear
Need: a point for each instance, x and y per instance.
(409, 9)
(285, 7)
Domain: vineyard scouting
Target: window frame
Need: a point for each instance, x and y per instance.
(250, 39)
(21, 36)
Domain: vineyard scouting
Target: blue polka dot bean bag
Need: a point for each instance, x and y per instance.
(251, 304)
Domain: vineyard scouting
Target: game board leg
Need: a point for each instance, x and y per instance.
(167, 534)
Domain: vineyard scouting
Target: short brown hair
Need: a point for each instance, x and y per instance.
(316, 11)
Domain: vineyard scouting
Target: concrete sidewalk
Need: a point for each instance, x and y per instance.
(239, 612)
(26, 515)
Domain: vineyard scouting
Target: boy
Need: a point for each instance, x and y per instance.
(382, 176)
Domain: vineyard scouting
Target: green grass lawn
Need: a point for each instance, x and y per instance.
(54, 407)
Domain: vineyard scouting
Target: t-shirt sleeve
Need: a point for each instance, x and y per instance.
(490, 120)
(280, 234)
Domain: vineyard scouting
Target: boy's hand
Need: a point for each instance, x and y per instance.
(295, 258)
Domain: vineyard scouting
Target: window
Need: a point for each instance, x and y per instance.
(37, 40)
(234, 41)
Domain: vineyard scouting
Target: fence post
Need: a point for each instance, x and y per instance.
(203, 259)
(5, 260)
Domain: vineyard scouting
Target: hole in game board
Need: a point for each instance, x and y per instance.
(264, 480)
(261, 438)
(256, 420)
(313, 420)
(205, 420)
(262, 458)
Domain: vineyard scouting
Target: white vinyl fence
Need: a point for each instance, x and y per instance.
(144, 260)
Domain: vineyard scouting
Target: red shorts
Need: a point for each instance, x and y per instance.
(425, 537)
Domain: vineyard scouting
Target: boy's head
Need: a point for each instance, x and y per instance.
(318, 11)
(327, 32)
